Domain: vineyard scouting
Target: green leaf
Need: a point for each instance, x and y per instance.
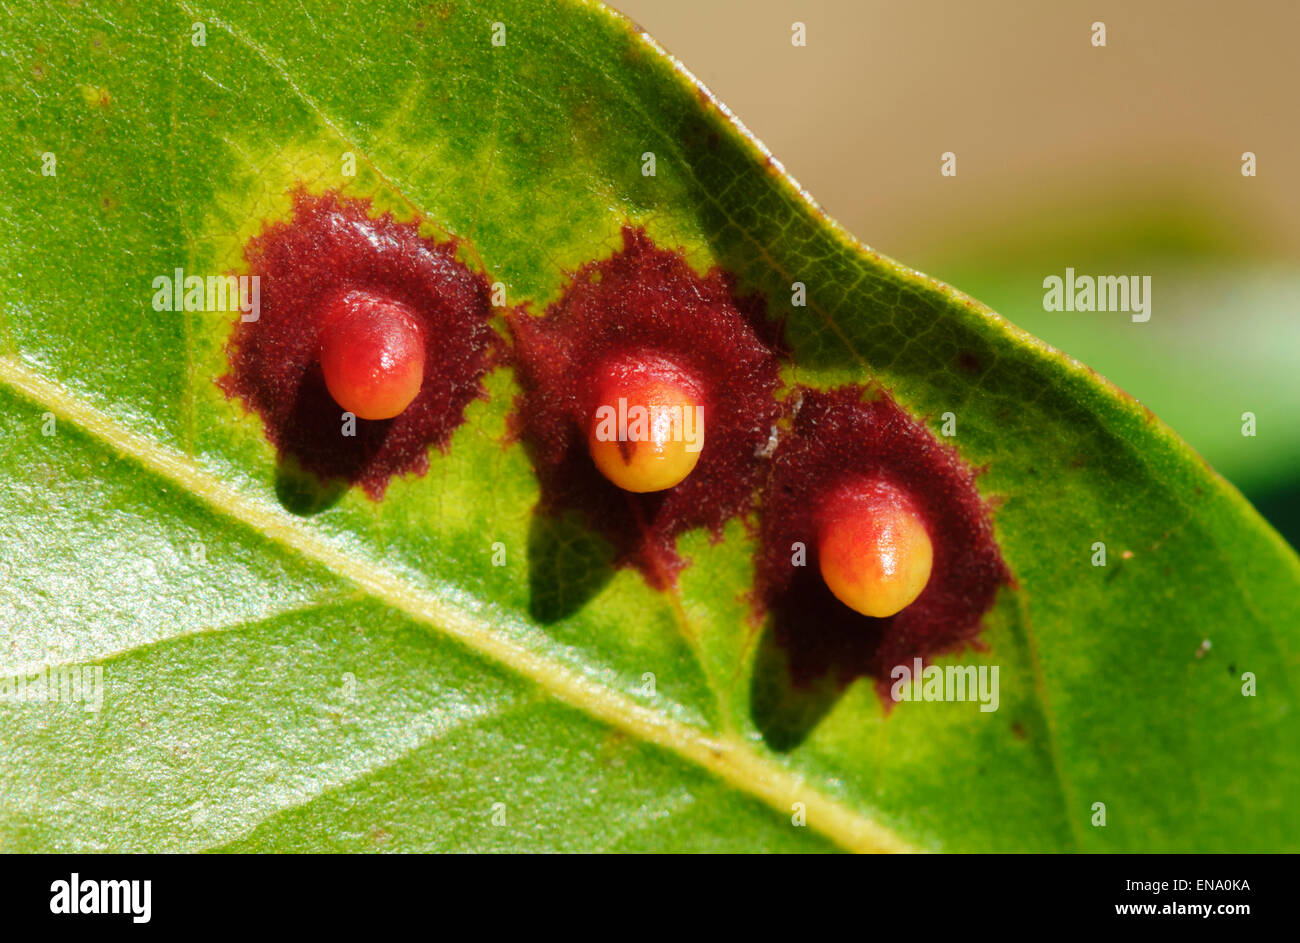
(360, 676)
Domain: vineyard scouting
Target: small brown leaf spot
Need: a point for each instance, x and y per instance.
(108, 202)
(968, 362)
(380, 836)
(39, 70)
(632, 53)
(94, 96)
(1127, 554)
(1018, 731)
(585, 114)
(611, 748)
(1203, 648)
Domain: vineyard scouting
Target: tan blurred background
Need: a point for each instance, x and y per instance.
(1117, 160)
(1037, 116)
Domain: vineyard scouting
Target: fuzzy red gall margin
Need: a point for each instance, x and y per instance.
(333, 249)
(646, 305)
(840, 436)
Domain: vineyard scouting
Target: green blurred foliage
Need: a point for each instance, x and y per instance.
(1223, 338)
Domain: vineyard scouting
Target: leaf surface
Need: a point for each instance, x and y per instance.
(361, 676)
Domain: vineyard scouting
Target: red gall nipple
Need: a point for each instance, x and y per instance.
(872, 546)
(371, 353)
(646, 427)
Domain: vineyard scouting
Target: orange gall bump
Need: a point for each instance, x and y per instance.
(873, 548)
(646, 425)
(372, 354)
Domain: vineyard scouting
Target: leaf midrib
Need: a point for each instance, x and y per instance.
(728, 758)
(273, 62)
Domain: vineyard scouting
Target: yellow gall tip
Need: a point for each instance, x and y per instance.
(873, 548)
(646, 430)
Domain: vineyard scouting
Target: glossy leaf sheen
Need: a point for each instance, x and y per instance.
(289, 672)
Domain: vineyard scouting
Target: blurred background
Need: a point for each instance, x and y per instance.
(1118, 160)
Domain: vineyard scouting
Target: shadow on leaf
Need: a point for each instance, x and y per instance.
(812, 648)
(301, 492)
(567, 565)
